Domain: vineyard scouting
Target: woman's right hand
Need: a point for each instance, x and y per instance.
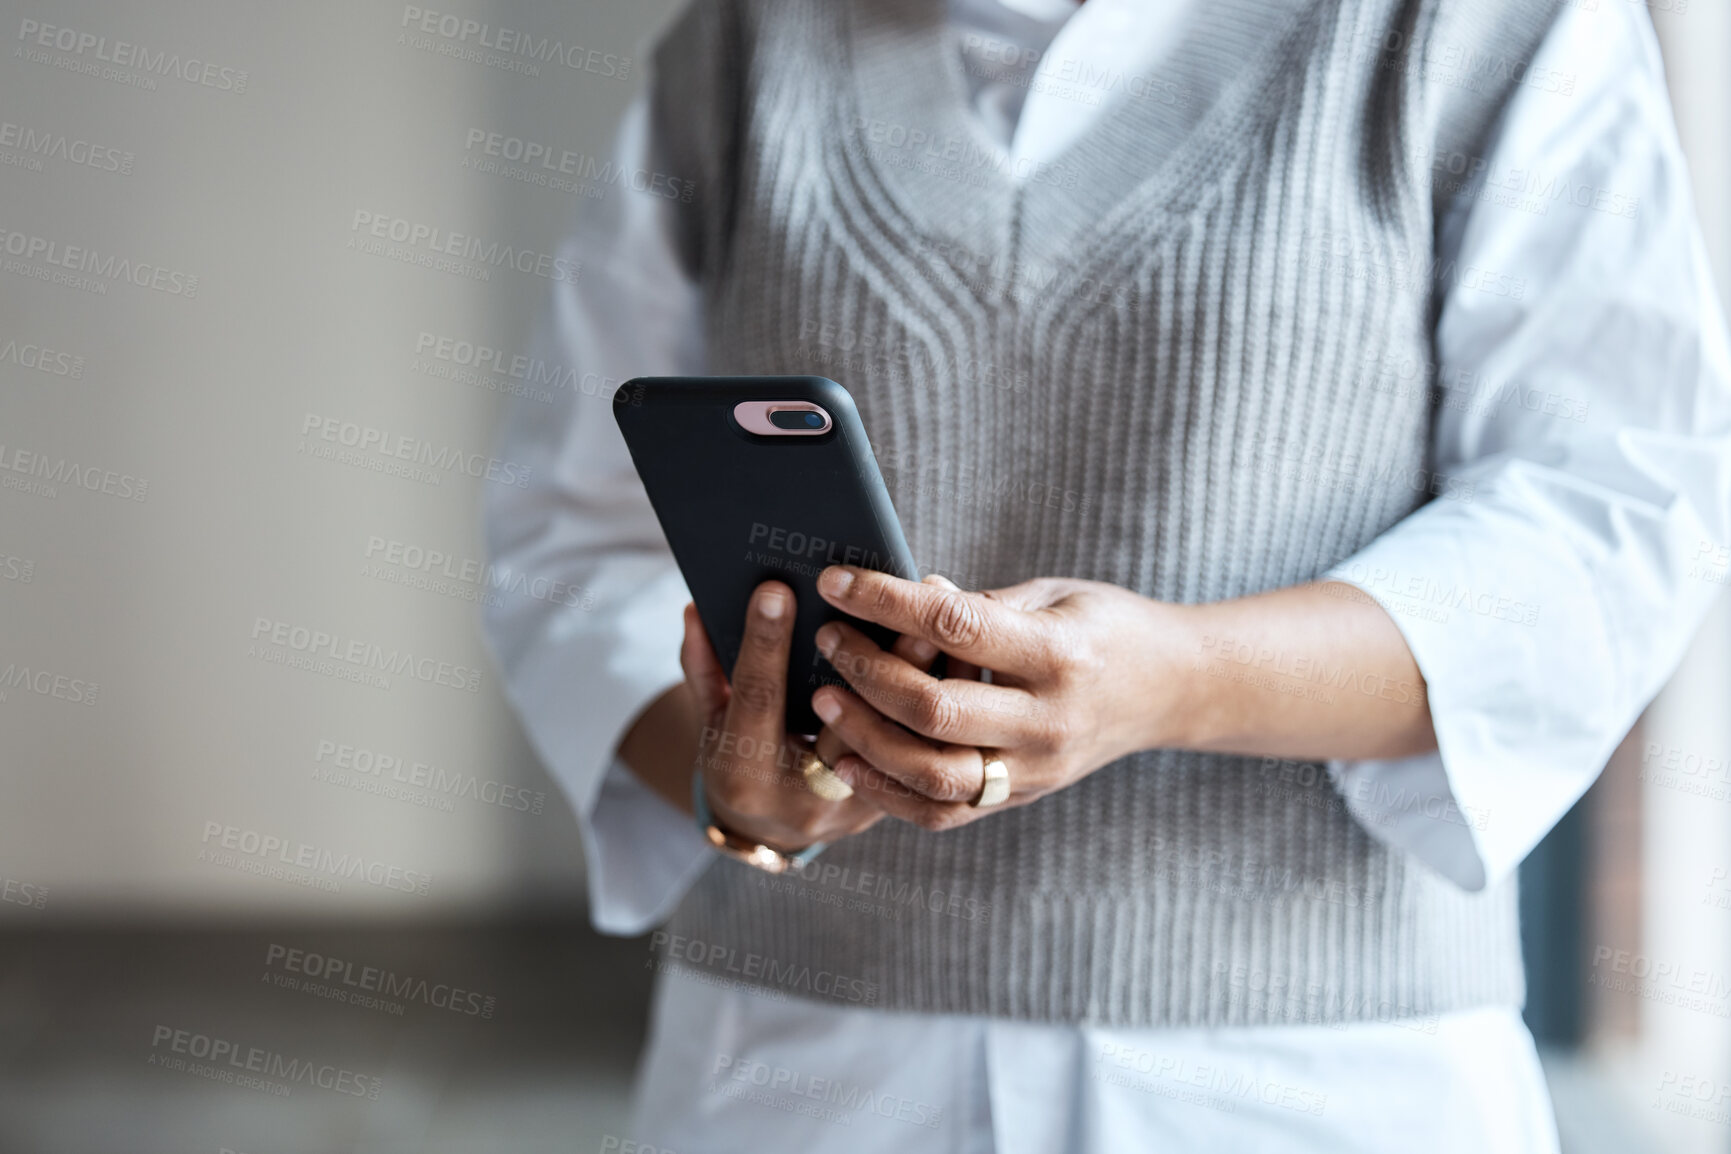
(750, 764)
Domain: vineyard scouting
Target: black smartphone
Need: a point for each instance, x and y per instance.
(760, 478)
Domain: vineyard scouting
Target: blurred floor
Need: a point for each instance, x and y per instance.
(141, 1042)
(117, 1042)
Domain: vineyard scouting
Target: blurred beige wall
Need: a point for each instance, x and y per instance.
(1687, 838)
(179, 540)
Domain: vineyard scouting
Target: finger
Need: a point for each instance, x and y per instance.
(938, 772)
(966, 625)
(946, 710)
(899, 801)
(953, 666)
(830, 747)
(702, 668)
(757, 703)
(915, 650)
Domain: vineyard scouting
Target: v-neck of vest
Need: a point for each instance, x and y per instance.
(952, 181)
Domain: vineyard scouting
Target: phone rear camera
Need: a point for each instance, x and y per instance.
(796, 419)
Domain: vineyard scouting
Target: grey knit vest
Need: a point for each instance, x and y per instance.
(1163, 361)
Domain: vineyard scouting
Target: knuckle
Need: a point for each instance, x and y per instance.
(955, 621)
(935, 713)
(1055, 730)
(882, 596)
(763, 637)
(946, 782)
(757, 690)
(1072, 657)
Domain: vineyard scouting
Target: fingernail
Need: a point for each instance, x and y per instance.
(924, 651)
(825, 706)
(827, 639)
(835, 581)
(771, 604)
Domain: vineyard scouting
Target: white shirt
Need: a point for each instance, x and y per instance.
(1585, 418)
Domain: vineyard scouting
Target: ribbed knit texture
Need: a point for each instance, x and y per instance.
(1158, 362)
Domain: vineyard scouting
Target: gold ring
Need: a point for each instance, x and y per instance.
(996, 784)
(821, 779)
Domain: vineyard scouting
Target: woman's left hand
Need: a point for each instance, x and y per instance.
(1077, 668)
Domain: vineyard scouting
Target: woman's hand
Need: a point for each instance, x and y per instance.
(1083, 673)
(750, 765)
(1073, 665)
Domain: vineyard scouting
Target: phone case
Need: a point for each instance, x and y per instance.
(740, 508)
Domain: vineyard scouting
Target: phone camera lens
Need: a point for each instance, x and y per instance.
(796, 419)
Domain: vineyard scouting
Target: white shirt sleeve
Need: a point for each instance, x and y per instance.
(591, 634)
(1582, 438)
